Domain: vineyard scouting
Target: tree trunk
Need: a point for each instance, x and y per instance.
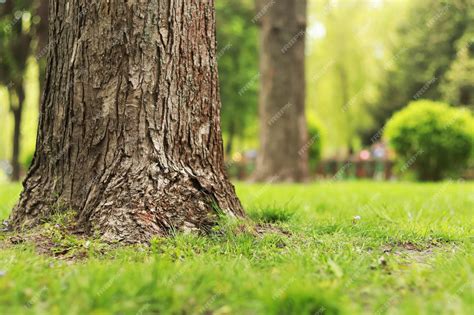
(283, 133)
(17, 115)
(129, 134)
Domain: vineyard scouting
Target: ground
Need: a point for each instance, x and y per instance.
(331, 248)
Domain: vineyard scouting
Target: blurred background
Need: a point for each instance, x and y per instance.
(389, 87)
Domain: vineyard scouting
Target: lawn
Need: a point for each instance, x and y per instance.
(333, 248)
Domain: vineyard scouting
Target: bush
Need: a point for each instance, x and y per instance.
(432, 138)
(314, 144)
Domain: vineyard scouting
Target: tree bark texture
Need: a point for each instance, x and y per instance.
(129, 134)
(283, 132)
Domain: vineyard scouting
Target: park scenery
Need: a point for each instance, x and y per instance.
(224, 157)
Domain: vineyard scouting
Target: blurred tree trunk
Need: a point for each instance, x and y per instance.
(283, 132)
(129, 134)
(17, 115)
(15, 39)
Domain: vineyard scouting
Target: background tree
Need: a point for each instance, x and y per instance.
(238, 69)
(16, 35)
(345, 56)
(129, 134)
(421, 56)
(283, 131)
(458, 84)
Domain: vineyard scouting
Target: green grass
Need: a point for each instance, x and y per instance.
(411, 252)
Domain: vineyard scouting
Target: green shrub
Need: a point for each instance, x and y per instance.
(432, 138)
(314, 146)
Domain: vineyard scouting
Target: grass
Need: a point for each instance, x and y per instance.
(410, 252)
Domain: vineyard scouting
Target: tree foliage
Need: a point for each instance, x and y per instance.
(344, 62)
(458, 85)
(238, 68)
(16, 35)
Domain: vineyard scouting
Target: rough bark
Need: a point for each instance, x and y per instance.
(283, 132)
(129, 134)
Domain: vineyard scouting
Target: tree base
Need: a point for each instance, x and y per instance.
(135, 207)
